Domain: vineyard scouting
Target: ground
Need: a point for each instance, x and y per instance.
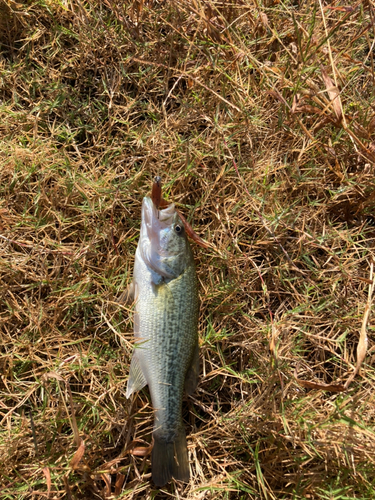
(260, 118)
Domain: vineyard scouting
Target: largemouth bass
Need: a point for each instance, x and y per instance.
(166, 355)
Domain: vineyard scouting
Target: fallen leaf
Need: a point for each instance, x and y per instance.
(365, 280)
(77, 457)
(294, 104)
(363, 340)
(47, 473)
(333, 93)
(73, 419)
(318, 385)
(264, 19)
(321, 386)
(53, 375)
(119, 482)
(340, 9)
(306, 108)
(277, 95)
(107, 479)
(274, 335)
(141, 451)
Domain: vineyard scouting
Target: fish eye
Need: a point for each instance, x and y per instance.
(178, 229)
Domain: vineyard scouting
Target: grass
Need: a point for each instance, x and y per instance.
(236, 105)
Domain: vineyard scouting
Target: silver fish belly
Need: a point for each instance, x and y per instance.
(166, 356)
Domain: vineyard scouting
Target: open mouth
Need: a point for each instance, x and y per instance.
(155, 220)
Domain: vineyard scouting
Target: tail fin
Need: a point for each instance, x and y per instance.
(170, 459)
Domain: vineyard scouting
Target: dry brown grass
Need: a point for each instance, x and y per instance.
(236, 105)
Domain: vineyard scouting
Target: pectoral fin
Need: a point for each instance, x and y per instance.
(191, 380)
(136, 378)
(128, 296)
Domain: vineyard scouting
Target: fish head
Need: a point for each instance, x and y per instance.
(163, 243)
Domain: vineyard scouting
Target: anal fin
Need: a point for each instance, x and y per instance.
(137, 379)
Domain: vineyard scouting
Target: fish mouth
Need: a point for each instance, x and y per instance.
(154, 220)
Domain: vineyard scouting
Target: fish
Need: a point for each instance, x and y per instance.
(166, 354)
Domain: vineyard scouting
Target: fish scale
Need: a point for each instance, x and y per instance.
(166, 315)
(165, 327)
